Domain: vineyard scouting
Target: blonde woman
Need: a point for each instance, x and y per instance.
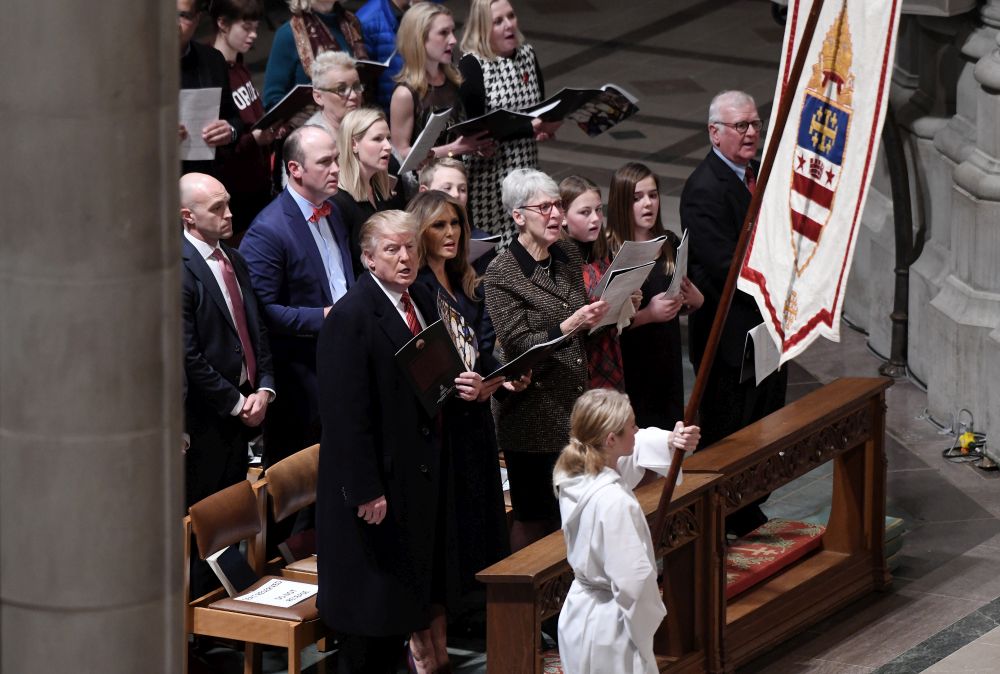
(498, 71)
(316, 26)
(365, 157)
(614, 606)
(428, 81)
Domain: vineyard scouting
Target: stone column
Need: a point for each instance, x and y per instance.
(923, 97)
(943, 135)
(963, 319)
(90, 364)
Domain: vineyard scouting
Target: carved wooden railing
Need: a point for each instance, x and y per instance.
(843, 422)
(530, 586)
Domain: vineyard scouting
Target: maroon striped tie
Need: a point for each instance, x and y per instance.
(239, 314)
(411, 314)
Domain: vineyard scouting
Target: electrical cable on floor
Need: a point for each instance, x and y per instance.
(969, 445)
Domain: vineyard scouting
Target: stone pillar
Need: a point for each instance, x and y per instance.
(943, 135)
(963, 319)
(90, 364)
(923, 97)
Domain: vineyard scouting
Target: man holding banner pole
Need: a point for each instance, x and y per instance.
(713, 206)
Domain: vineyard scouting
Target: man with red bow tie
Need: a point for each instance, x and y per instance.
(300, 256)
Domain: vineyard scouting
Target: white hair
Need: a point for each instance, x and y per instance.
(729, 97)
(520, 185)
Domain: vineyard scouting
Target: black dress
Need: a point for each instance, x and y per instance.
(651, 354)
(469, 438)
(355, 213)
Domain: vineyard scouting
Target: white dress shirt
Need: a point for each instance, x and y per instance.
(207, 251)
(397, 301)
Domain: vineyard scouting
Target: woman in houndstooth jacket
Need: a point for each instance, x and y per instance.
(535, 293)
(499, 71)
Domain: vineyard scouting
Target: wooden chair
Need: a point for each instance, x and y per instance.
(289, 486)
(226, 518)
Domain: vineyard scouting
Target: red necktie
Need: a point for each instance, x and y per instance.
(320, 212)
(750, 179)
(239, 314)
(411, 314)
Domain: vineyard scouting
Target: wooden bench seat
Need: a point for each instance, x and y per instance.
(843, 422)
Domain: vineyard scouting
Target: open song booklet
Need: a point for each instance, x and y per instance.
(627, 273)
(232, 570)
(594, 110)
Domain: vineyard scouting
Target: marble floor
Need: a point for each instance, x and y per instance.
(942, 611)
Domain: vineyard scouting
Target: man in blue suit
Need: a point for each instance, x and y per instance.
(300, 256)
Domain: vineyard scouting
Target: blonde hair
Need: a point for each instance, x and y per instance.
(353, 128)
(479, 28)
(427, 172)
(596, 414)
(327, 60)
(411, 39)
(382, 224)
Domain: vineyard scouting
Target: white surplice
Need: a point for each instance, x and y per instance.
(614, 606)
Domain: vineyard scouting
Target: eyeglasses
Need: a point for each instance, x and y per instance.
(344, 90)
(188, 16)
(743, 127)
(544, 208)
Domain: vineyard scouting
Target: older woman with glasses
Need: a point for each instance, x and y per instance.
(337, 89)
(535, 293)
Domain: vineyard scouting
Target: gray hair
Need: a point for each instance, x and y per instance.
(385, 223)
(327, 60)
(726, 98)
(520, 185)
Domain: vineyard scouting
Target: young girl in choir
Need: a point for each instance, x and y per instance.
(651, 346)
(614, 605)
(584, 214)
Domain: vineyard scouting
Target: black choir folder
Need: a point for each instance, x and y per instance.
(294, 102)
(231, 567)
(529, 359)
(366, 67)
(594, 110)
(500, 124)
(431, 362)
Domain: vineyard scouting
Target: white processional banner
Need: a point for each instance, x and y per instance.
(800, 254)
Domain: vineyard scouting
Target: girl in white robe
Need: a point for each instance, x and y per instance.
(614, 605)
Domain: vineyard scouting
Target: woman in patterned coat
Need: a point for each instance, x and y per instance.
(499, 71)
(535, 293)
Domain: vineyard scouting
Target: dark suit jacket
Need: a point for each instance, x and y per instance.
(713, 205)
(527, 311)
(204, 67)
(213, 362)
(377, 439)
(291, 283)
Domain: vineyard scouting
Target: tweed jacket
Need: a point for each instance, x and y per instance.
(527, 311)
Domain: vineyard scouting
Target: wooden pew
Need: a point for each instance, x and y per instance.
(531, 585)
(843, 422)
